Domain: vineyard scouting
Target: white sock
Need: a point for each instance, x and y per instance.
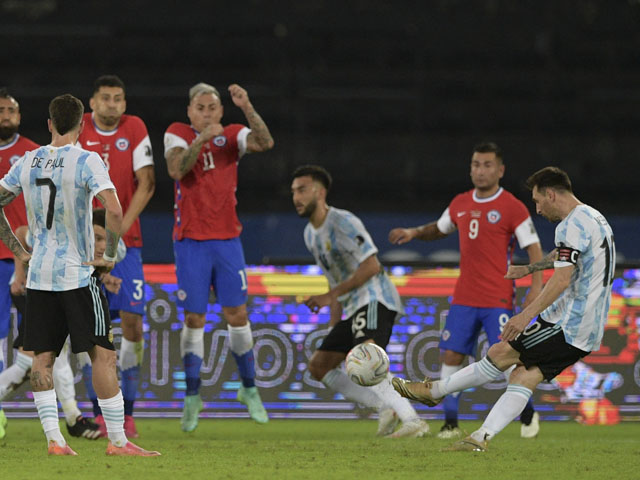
(64, 384)
(338, 381)
(83, 359)
(240, 339)
(446, 371)
(47, 406)
(14, 376)
(473, 375)
(392, 399)
(506, 409)
(131, 354)
(113, 414)
(192, 341)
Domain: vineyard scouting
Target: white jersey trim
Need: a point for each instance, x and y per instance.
(526, 233)
(171, 140)
(444, 224)
(488, 199)
(140, 157)
(242, 141)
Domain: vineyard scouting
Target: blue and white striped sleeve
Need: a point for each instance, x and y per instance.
(355, 239)
(96, 175)
(11, 181)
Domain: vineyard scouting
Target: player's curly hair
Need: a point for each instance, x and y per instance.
(316, 172)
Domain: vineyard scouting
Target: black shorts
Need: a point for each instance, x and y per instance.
(542, 345)
(371, 322)
(82, 313)
(19, 301)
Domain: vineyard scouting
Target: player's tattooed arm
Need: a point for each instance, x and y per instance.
(6, 234)
(260, 139)
(519, 271)
(180, 160)
(108, 198)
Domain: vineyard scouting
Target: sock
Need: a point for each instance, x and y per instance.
(506, 409)
(473, 375)
(15, 375)
(192, 353)
(84, 361)
(241, 344)
(47, 406)
(113, 414)
(130, 360)
(450, 403)
(338, 381)
(392, 399)
(64, 384)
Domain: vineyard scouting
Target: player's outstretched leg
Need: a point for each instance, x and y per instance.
(530, 421)
(130, 361)
(241, 343)
(192, 352)
(412, 425)
(15, 375)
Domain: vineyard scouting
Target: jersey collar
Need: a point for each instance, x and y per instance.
(11, 143)
(488, 199)
(104, 133)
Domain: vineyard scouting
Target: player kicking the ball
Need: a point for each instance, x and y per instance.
(360, 290)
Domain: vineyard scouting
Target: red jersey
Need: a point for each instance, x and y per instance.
(205, 198)
(16, 211)
(124, 150)
(487, 227)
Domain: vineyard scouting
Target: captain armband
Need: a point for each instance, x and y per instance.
(568, 254)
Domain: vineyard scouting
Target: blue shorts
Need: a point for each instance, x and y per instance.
(130, 298)
(6, 271)
(201, 264)
(463, 326)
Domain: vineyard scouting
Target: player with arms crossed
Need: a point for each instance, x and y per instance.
(487, 218)
(123, 143)
(63, 298)
(571, 312)
(360, 290)
(203, 159)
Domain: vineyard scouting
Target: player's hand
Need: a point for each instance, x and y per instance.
(210, 131)
(18, 288)
(514, 327)
(316, 302)
(517, 271)
(111, 283)
(239, 96)
(398, 236)
(101, 265)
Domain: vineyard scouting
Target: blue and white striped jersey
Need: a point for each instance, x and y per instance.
(59, 184)
(339, 246)
(581, 310)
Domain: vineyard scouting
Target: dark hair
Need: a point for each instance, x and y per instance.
(107, 81)
(4, 93)
(316, 172)
(550, 177)
(488, 147)
(99, 217)
(65, 112)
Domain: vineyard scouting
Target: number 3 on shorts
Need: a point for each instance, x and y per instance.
(137, 286)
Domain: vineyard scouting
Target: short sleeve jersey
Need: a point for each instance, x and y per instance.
(487, 227)
(59, 184)
(584, 239)
(205, 198)
(15, 212)
(339, 246)
(124, 151)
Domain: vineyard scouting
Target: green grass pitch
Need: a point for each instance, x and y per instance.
(316, 449)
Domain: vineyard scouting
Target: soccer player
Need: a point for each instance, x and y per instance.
(360, 290)
(203, 159)
(123, 143)
(63, 297)
(487, 219)
(571, 311)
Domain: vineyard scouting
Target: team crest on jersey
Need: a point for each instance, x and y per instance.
(327, 245)
(122, 144)
(14, 159)
(182, 295)
(494, 216)
(220, 141)
(446, 334)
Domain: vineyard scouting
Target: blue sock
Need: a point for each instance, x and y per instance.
(450, 406)
(129, 386)
(247, 368)
(192, 364)
(87, 378)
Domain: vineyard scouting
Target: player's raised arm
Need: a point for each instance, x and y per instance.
(260, 139)
(180, 160)
(519, 271)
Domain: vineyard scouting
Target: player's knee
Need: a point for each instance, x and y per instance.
(194, 320)
(452, 358)
(236, 316)
(317, 368)
(502, 355)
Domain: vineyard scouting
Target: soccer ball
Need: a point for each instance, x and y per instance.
(367, 364)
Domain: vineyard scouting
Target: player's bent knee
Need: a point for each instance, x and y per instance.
(236, 316)
(194, 320)
(452, 358)
(502, 355)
